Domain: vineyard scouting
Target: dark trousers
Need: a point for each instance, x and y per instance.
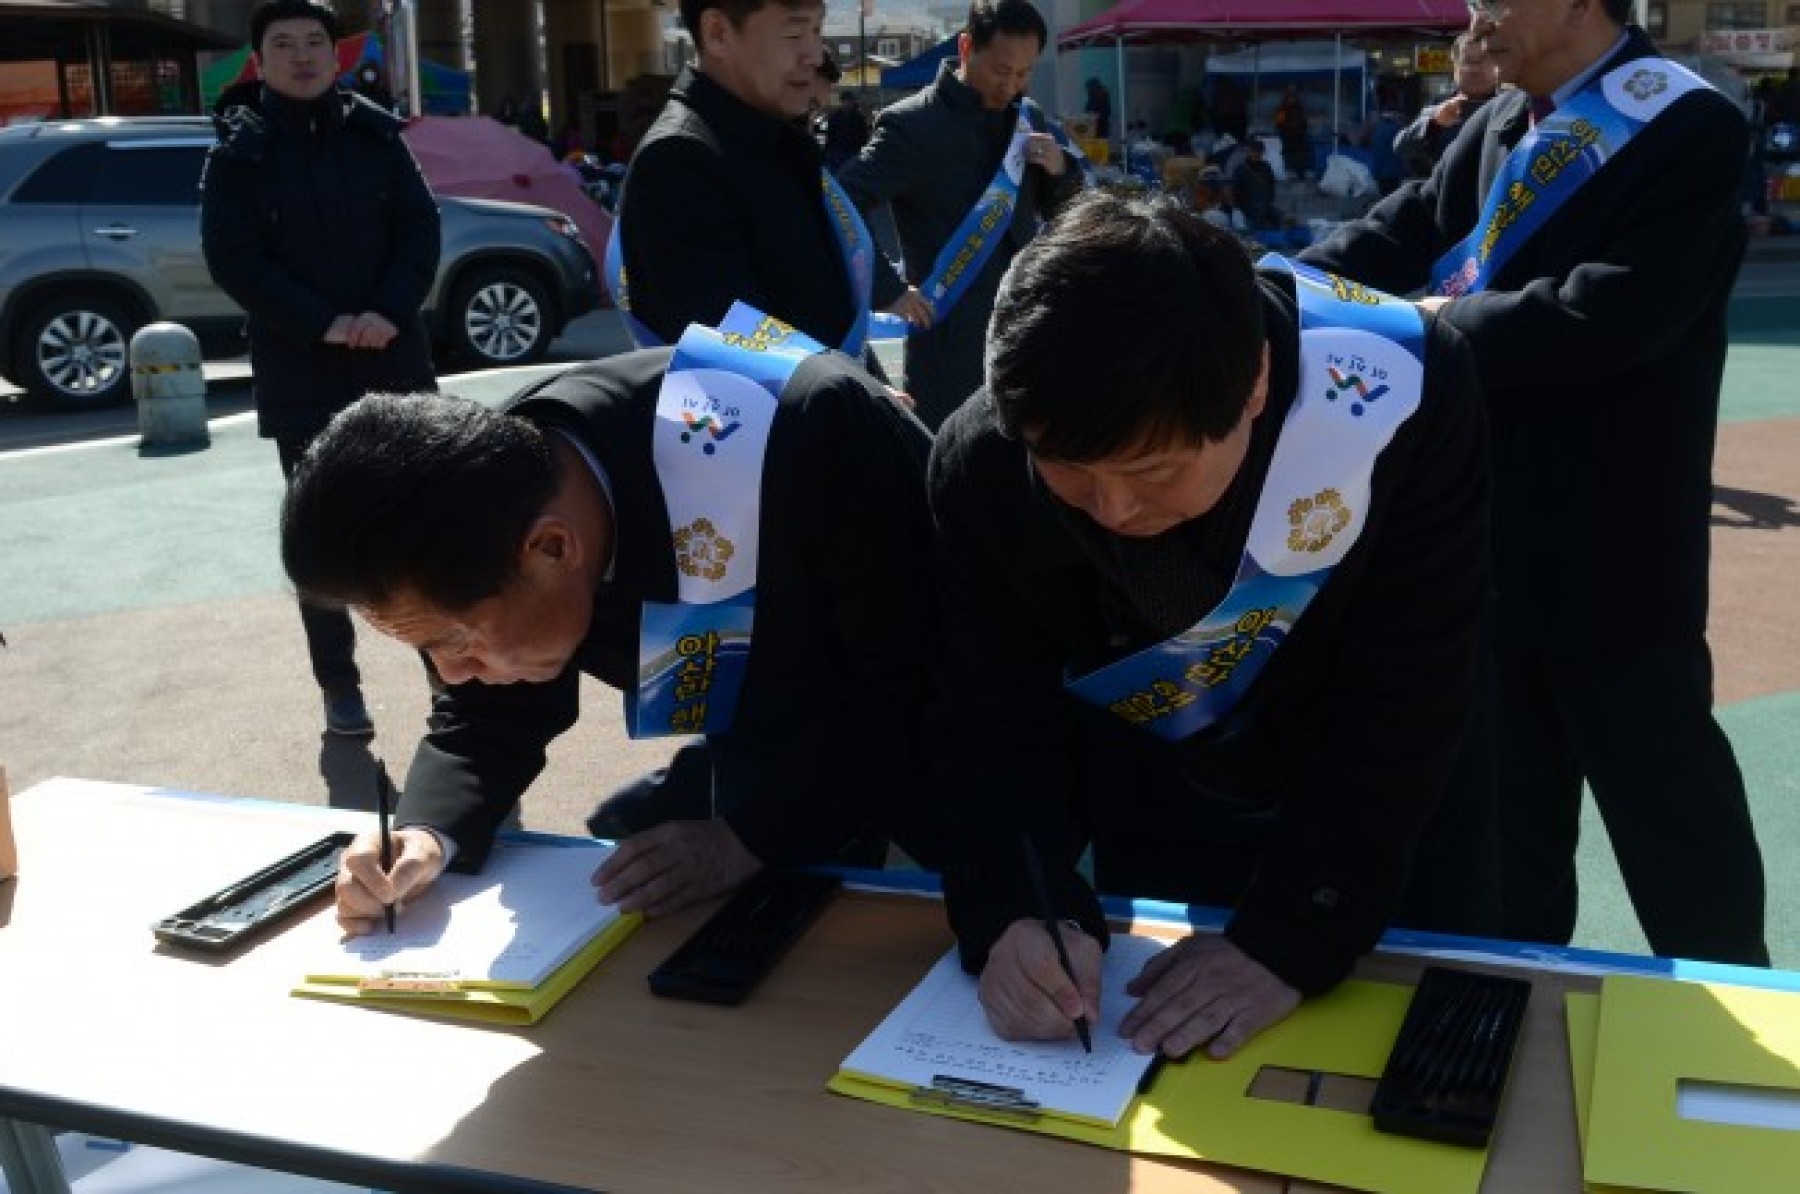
(1638, 728)
(330, 637)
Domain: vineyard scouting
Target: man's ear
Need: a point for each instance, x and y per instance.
(715, 27)
(551, 542)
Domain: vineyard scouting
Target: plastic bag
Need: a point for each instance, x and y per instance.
(1346, 178)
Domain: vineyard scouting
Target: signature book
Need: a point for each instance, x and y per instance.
(503, 946)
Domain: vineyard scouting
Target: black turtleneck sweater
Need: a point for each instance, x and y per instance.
(723, 203)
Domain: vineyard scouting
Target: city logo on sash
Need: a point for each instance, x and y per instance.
(1352, 380)
(710, 425)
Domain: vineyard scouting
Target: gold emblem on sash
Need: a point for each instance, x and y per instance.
(1315, 521)
(701, 551)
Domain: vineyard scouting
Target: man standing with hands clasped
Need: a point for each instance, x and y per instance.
(971, 169)
(315, 219)
(1583, 233)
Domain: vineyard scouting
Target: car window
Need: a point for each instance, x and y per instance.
(155, 176)
(64, 177)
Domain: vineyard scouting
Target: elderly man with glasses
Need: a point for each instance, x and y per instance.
(1583, 233)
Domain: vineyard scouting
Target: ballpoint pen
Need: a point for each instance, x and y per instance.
(1048, 912)
(383, 786)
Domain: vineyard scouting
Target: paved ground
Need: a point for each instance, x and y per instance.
(152, 640)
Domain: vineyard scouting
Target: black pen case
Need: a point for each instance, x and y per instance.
(1447, 1072)
(255, 904)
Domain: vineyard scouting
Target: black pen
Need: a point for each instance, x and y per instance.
(383, 786)
(1048, 911)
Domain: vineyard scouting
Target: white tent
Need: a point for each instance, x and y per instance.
(1286, 59)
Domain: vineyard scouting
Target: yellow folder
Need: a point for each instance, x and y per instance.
(496, 1003)
(1656, 1035)
(1200, 1109)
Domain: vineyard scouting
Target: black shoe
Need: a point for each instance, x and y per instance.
(346, 714)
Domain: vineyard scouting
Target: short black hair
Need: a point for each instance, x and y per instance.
(1127, 323)
(414, 493)
(1013, 17)
(270, 11)
(736, 11)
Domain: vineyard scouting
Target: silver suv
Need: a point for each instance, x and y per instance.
(100, 235)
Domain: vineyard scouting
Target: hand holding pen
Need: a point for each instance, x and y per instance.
(1047, 910)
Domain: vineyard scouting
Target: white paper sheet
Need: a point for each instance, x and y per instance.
(939, 1030)
(528, 911)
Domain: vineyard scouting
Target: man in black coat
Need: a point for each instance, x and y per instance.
(315, 219)
(1601, 339)
(522, 549)
(724, 202)
(932, 157)
(1161, 497)
(1420, 144)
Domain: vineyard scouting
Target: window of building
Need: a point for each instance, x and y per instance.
(888, 47)
(846, 51)
(1737, 16)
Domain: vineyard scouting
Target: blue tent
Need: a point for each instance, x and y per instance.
(921, 71)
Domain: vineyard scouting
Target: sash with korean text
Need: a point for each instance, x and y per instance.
(967, 251)
(853, 240)
(713, 417)
(1553, 161)
(1361, 375)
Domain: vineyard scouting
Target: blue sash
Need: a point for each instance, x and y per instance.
(1552, 162)
(854, 242)
(1361, 375)
(981, 231)
(713, 417)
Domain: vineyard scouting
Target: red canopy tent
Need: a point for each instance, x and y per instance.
(1162, 22)
(1152, 22)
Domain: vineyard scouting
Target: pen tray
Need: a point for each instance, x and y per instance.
(259, 901)
(1447, 1072)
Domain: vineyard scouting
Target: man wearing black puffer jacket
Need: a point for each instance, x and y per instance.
(315, 219)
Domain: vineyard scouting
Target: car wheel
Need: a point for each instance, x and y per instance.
(501, 317)
(75, 352)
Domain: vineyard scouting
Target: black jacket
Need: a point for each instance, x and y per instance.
(1600, 345)
(1343, 744)
(723, 203)
(931, 157)
(836, 681)
(309, 212)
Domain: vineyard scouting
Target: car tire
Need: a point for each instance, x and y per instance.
(74, 352)
(501, 317)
